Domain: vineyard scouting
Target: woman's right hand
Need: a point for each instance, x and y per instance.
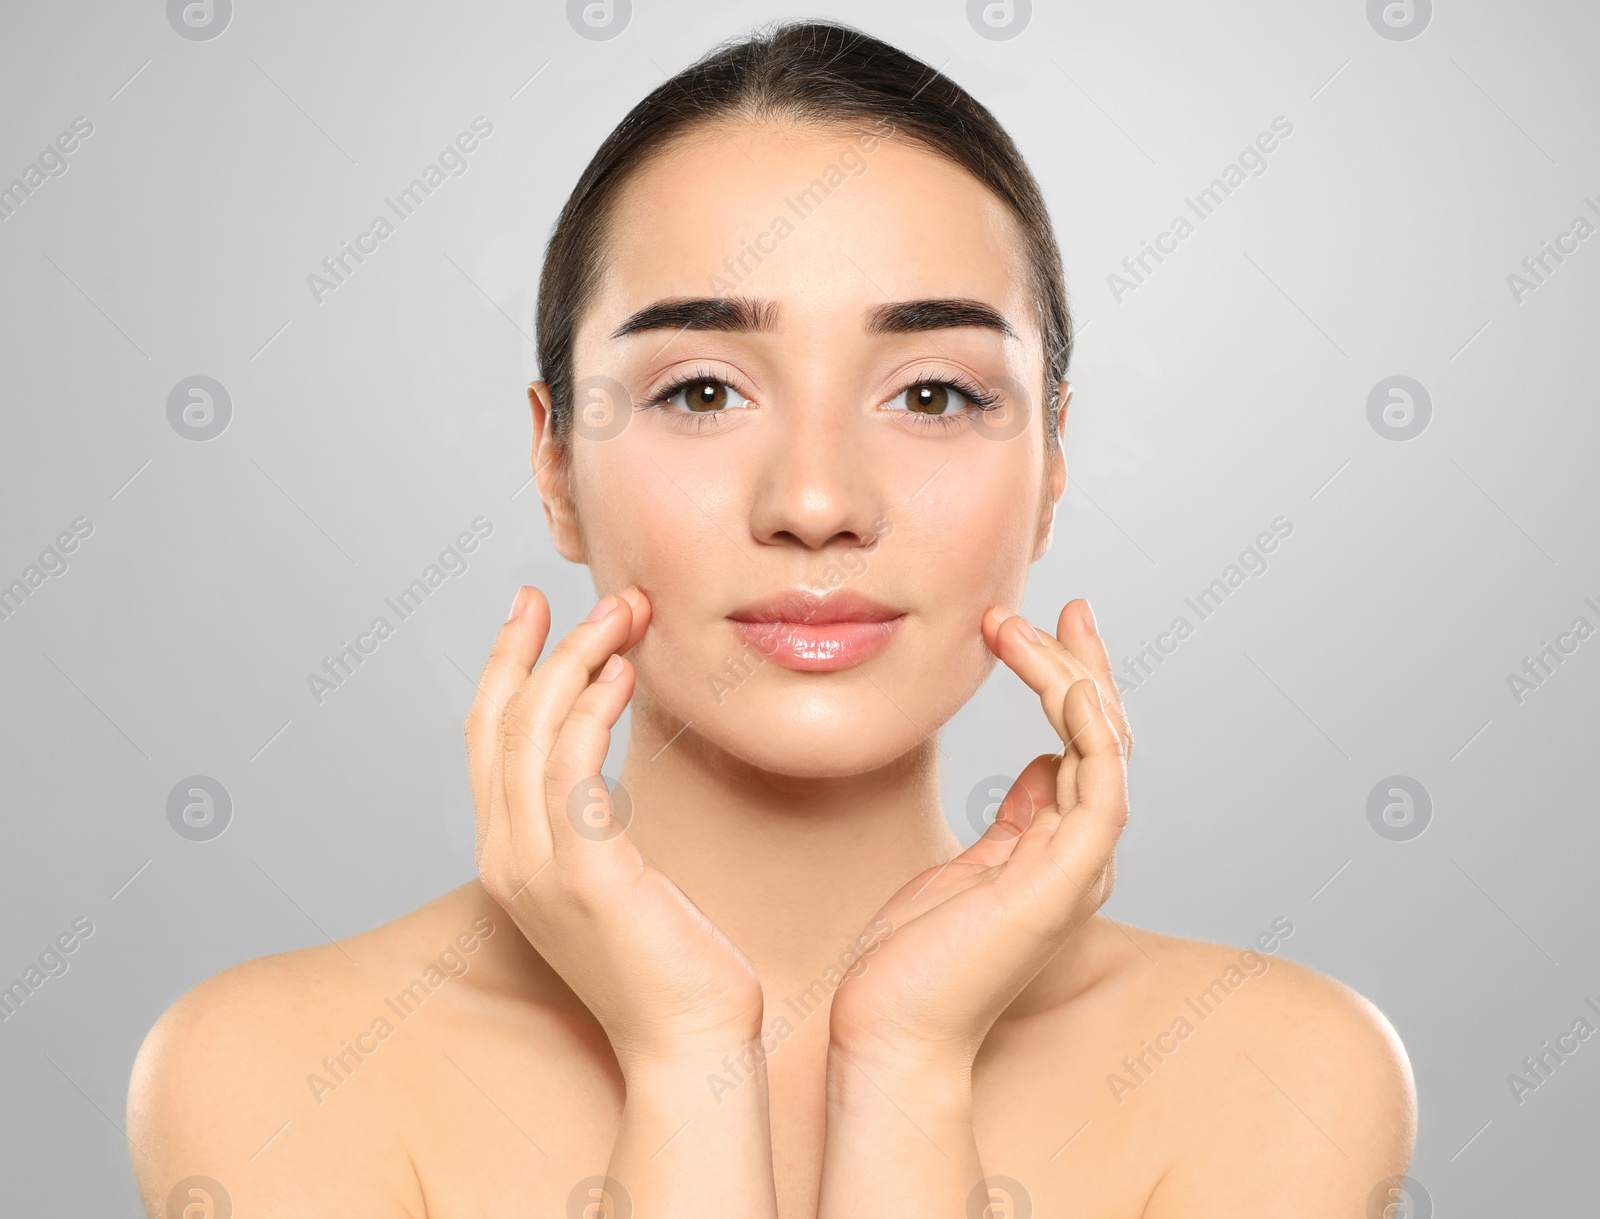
(660, 977)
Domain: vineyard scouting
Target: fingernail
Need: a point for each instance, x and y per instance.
(604, 607)
(1025, 629)
(612, 670)
(517, 603)
(1088, 614)
(1001, 613)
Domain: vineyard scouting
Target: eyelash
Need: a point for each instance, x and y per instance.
(693, 419)
(980, 399)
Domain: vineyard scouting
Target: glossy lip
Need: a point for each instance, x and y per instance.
(800, 630)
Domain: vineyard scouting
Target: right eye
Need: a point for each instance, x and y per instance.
(702, 396)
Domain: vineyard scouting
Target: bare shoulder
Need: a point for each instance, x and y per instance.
(258, 1082)
(1293, 1091)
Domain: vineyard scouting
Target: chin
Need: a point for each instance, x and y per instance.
(833, 727)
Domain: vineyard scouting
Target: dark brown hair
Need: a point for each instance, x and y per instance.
(810, 72)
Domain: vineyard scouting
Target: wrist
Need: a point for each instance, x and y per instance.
(867, 1091)
(902, 1056)
(924, 1076)
(707, 1066)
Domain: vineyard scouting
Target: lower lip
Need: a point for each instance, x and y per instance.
(818, 647)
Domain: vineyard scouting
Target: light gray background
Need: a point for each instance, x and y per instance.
(1230, 388)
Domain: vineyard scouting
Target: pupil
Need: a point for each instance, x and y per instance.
(708, 394)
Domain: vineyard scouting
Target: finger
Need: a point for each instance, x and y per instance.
(579, 807)
(1102, 778)
(535, 712)
(999, 615)
(1047, 668)
(1078, 638)
(1077, 631)
(1081, 849)
(516, 650)
(541, 704)
(1077, 664)
(642, 614)
(1031, 790)
(1034, 788)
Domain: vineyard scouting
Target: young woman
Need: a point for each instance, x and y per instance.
(804, 336)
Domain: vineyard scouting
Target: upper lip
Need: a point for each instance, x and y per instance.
(801, 605)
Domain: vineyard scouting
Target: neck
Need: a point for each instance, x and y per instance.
(790, 868)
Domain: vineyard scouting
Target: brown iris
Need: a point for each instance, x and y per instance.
(705, 396)
(929, 399)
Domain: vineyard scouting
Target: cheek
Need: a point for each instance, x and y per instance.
(642, 527)
(637, 530)
(953, 555)
(970, 545)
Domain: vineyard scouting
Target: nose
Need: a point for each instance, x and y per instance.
(816, 485)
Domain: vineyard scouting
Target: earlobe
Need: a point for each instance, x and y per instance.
(1047, 523)
(1047, 503)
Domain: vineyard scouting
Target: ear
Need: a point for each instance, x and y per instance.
(552, 471)
(1055, 474)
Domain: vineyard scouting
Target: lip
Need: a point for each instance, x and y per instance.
(801, 631)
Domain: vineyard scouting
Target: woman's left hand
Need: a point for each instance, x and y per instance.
(969, 935)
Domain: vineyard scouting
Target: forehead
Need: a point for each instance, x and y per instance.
(825, 221)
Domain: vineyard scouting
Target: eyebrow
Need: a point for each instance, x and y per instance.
(908, 317)
(744, 314)
(730, 313)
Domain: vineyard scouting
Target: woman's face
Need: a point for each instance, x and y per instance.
(809, 323)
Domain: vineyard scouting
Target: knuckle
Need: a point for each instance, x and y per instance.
(1108, 882)
(574, 895)
(516, 748)
(516, 724)
(569, 650)
(585, 717)
(493, 877)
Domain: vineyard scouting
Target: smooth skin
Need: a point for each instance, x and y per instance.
(774, 984)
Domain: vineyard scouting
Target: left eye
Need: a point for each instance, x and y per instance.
(932, 398)
(705, 397)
